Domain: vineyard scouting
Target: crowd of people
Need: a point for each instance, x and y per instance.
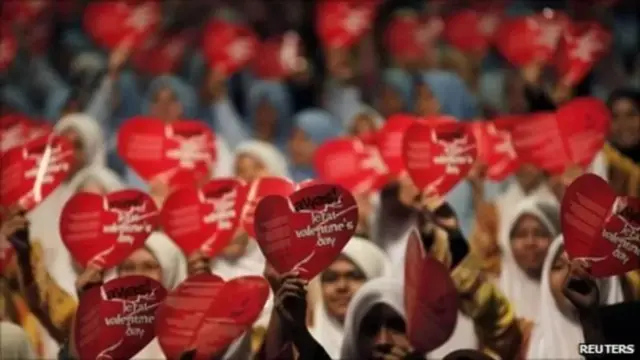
(520, 295)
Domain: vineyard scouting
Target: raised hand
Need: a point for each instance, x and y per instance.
(197, 263)
(580, 287)
(291, 300)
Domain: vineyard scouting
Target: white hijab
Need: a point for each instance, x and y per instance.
(45, 217)
(14, 343)
(521, 290)
(383, 290)
(554, 336)
(267, 154)
(374, 263)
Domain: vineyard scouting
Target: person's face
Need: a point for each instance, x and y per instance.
(141, 262)
(530, 242)
(339, 282)
(382, 327)
(625, 124)
(426, 102)
(266, 120)
(166, 106)
(529, 177)
(79, 151)
(390, 101)
(557, 275)
(93, 187)
(363, 124)
(301, 148)
(248, 168)
(237, 247)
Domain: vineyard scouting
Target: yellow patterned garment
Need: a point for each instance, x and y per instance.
(624, 174)
(13, 308)
(53, 306)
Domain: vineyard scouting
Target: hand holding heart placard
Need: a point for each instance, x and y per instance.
(600, 227)
(206, 313)
(204, 218)
(32, 171)
(183, 152)
(116, 320)
(257, 190)
(307, 230)
(430, 298)
(438, 156)
(105, 229)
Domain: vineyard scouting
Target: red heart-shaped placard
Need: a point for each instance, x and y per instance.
(430, 298)
(112, 23)
(529, 39)
(472, 31)
(341, 24)
(228, 47)
(580, 48)
(183, 152)
(406, 37)
(8, 47)
(207, 314)
(438, 155)
(257, 190)
(279, 57)
(162, 56)
(116, 320)
(17, 129)
(306, 231)
(600, 227)
(495, 148)
(32, 171)
(105, 229)
(205, 218)
(571, 136)
(350, 163)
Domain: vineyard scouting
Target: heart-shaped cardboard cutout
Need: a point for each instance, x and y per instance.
(350, 163)
(32, 171)
(198, 314)
(204, 218)
(438, 156)
(308, 230)
(600, 227)
(105, 229)
(389, 140)
(430, 298)
(183, 152)
(116, 320)
(495, 147)
(257, 190)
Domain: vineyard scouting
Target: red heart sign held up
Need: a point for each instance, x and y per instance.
(163, 55)
(430, 298)
(471, 30)
(105, 229)
(495, 148)
(112, 23)
(581, 47)
(600, 227)
(32, 171)
(183, 152)
(204, 218)
(258, 190)
(571, 136)
(207, 314)
(116, 320)
(306, 231)
(350, 163)
(228, 47)
(279, 57)
(341, 24)
(438, 156)
(17, 129)
(233, 311)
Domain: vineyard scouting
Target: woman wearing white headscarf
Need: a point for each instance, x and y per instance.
(524, 242)
(360, 261)
(558, 332)
(255, 158)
